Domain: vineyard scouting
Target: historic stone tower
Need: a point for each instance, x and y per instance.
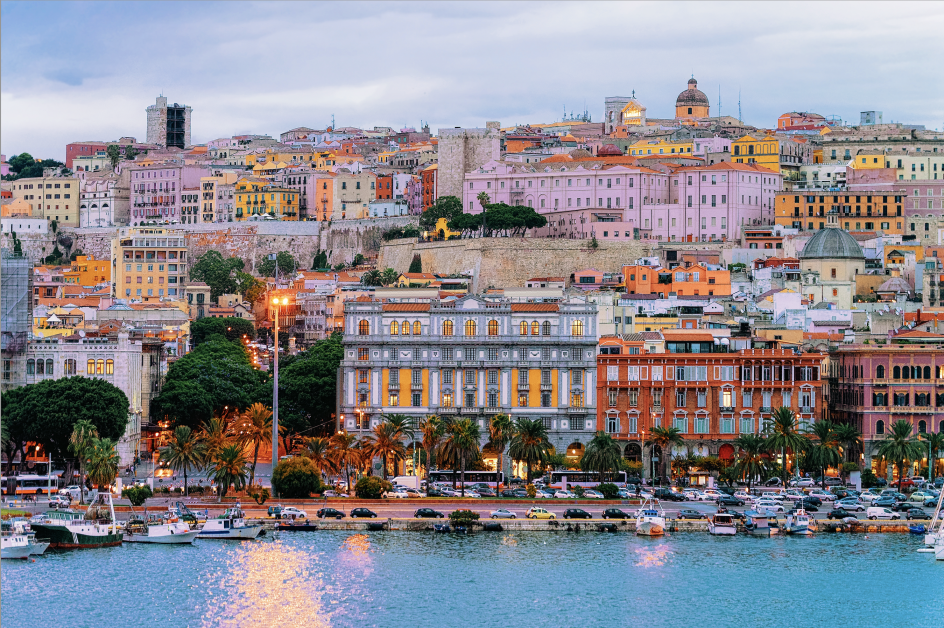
(464, 150)
(168, 125)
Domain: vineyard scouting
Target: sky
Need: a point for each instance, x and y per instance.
(79, 71)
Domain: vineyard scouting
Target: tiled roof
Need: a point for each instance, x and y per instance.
(650, 335)
(534, 307)
(687, 335)
(405, 307)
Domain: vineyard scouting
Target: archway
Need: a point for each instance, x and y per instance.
(633, 452)
(574, 450)
(726, 452)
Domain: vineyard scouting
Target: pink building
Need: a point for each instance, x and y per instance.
(4, 166)
(586, 197)
(156, 190)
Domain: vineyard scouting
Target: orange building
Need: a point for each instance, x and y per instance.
(384, 186)
(696, 279)
(429, 186)
(863, 211)
(88, 271)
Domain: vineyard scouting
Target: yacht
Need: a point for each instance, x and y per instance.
(166, 530)
(68, 529)
(230, 525)
(722, 524)
(21, 525)
(800, 523)
(650, 519)
(935, 532)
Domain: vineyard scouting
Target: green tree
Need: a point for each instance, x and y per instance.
(17, 420)
(254, 429)
(899, 448)
(184, 452)
(81, 443)
(232, 328)
(130, 153)
(416, 266)
(784, 435)
(229, 469)
(385, 443)
(184, 402)
(285, 261)
(358, 260)
(935, 443)
(530, 444)
(751, 462)
(320, 261)
(249, 287)
(137, 495)
(318, 450)
(462, 439)
(665, 438)
(346, 455)
(432, 430)
(371, 278)
(296, 478)
(849, 437)
(308, 387)
(214, 435)
(447, 207)
(102, 462)
(114, 154)
(371, 487)
(501, 429)
(217, 272)
(602, 454)
(389, 277)
(823, 451)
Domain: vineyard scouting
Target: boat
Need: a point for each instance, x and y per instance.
(20, 525)
(442, 527)
(760, 523)
(165, 530)
(935, 531)
(917, 529)
(68, 529)
(650, 519)
(799, 523)
(722, 524)
(230, 525)
(295, 527)
(15, 546)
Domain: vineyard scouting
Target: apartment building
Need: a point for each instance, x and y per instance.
(691, 280)
(863, 210)
(156, 190)
(88, 271)
(52, 198)
(258, 197)
(149, 262)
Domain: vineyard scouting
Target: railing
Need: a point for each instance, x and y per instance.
(726, 408)
(547, 387)
(469, 410)
(573, 410)
(911, 409)
(449, 410)
(806, 409)
(493, 410)
(523, 387)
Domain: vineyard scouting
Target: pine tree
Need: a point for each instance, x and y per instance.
(416, 266)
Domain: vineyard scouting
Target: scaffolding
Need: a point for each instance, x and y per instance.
(15, 316)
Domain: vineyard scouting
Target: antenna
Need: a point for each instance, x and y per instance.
(719, 103)
(739, 106)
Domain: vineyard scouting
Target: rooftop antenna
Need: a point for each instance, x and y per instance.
(332, 121)
(739, 106)
(719, 103)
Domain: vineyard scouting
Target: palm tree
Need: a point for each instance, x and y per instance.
(80, 445)
(530, 444)
(345, 454)
(664, 438)
(935, 444)
(215, 435)
(405, 428)
(849, 438)
(318, 450)
(389, 277)
(462, 437)
(184, 452)
(784, 434)
(432, 428)
(602, 454)
(824, 450)
(255, 428)
(371, 278)
(500, 432)
(900, 447)
(385, 443)
(103, 462)
(230, 469)
(751, 461)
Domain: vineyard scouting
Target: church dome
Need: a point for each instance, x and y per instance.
(609, 150)
(580, 153)
(832, 243)
(692, 96)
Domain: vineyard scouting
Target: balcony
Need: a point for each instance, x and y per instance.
(912, 409)
(573, 410)
(493, 410)
(806, 410)
(451, 363)
(523, 387)
(766, 409)
(726, 408)
(546, 387)
(450, 410)
(416, 387)
(469, 410)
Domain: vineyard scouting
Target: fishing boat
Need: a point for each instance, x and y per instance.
(20, 525)
(760, 523)
(68, 529)
(164, 530)
(800, 523)
(650, 519)
(14, 546)
(722, 524)
(230, 525)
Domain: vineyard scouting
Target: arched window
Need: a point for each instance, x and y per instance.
(940, 426)
(922, 399)
(447, 328)
(40, 367)
(100, 367)
(576, 328)
(49, 369)
(417, 328)
(493, 328)
(896, 372)
(363, 328)
(927, 372)
(880, 427)
(470, 328)
(523, 327)
(922, 427)
(69, 367)
(535, 328)
(91, 367)
(109, 367)
(394, 328)
(546, 328)
(404, 328)
(880, 372)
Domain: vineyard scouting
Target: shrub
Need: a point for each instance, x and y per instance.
(463, 517)
(869, 479)
(371, 487)
(578, 491)
(610, 491)
(259, 494)
(296, 478)
(137, 494)
(532, 490)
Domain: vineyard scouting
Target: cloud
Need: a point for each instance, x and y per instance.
(267, 67)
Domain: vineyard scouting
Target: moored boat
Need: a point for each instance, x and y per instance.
(15, 546)
(760, 524)
(68, 529)
(21, 525)
(160, 530)
(722, 524)
(230, 525)
(650, 519)
(800, 523)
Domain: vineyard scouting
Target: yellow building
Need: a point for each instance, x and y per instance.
(869, 160)
(779, 154)
(149, 262)
(52, 198)
(895, 253)
(352, 194)
(260, 197)
(88, 271)
(212, 200)
(862, 212)
(660, 147)
(633, 114)
(654, 323)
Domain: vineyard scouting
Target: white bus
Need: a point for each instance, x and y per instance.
(31, 484)
(587, 479)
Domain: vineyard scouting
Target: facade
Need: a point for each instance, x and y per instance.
(868, 210)
(52, 198)
(149, 262)
(462, 151)
(156, 190)
(353, 194)
(709, 392)
(168, 125)
(777, 153)
(430, 192)
(216, 197)
(472, 358)
(693, 280)
(260, 197)
(692, 103)
(104, 201)
(88, 271)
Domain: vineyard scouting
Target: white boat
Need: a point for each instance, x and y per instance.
(68, 529)
(15, 546)
(760, 523)
(230, 525)
(800, 523)
(722, 524)
(650, 519)
(935, 533)
(162, 530)
(22, 526)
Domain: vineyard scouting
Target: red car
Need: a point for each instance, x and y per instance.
(906, 483)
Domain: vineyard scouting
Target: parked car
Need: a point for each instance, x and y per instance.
(397, 495)
(744, 496)
(539, 513)
(922, 496)
(905, 483)
(850, 504)
(615, 513)
(544, 494)
(902, 507)
(729, 500)
(521, 493)
(486, 492)
(768, 505)
(773, 482)
(326, 513)
(839, 513)
(577, 513)
(802, 482)
(363, 513)
(502, 513)
(916, 513)
(592, 494)
(875, 512)
(427, 513)
(60, 501)
(291, 512)
(508, 492)
(667, 494)
(869, 496)
(885, 501)
(822, 495)
(688, 513)
(334, 494)
(562, 494)
(809, 500)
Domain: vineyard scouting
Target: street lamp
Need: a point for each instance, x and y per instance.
(275, 389)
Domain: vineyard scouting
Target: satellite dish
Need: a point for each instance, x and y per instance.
(81, 334)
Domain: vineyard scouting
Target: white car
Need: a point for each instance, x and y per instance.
(793, 495)
(822, 495)
(291, 511)
(592, 494)
(544, 494)
(398, 495)
(768, 505)
(562, 494)
(868, 496)
(802, 482)
(714, 493)
(503, 513)
(744, 496)
(704, 497)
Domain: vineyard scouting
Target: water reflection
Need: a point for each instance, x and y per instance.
(652, 557)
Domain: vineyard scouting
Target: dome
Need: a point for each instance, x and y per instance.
(580, 153)
(609, 150)
(897, 285)
(832, 243)
(692, 96)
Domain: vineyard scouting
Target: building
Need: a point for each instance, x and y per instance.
(260, 197)
(462, 151)
(149, 262)
(16, 284)
(168, 125)
(709, 392)
(216, 197)
(862, 210)
(691, 104)
(778, 153)
(157, 188)
(103, 201)
(53, 198)
(470, 357)
(692, 280)
(829, 264)
(799, 120)
(430, 192)
(88, 271)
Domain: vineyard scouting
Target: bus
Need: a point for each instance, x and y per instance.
(30, 484)
(586, 479)
(492, 478)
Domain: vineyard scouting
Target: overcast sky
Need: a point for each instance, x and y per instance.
(86, 71)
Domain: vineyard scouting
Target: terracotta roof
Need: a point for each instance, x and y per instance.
(405, 307)
(916, 333)
(429, 276)
(364, 299)
(535, 307)
(687, 335)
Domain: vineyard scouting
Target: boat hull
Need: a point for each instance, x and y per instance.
(87, 536)
(249, 532)
(939, 551)
(16, 551)
(649, 528)
(722, 530)
(179, 538)
(38, 547)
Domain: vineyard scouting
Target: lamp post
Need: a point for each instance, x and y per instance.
(275, 389)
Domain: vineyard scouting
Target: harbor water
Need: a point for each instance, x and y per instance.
(392, 579)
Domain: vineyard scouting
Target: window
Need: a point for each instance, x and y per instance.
(363, 328)
(545, 400)
(469, 377)
(69, 367)
(727, 399)
(545, 354)
(362, 354)
(880, 427)
(546, 328)
(493, 377)
(394, 378)
(633, 396)
(470, 354)
(394, 328)
(493, 354)
(702, 397)
(747, 399)
(523, 328)
(535, 328)
(577, 377)
(470, 329)
(545, 377)
(612, 395)
(109, 367)
(417, 328)
(880, 372)
(576, 328)
(394, 399)
(493, 328)
(405, 328)
(612, 424)
(31, 367)
(417, 399)
(680, 398)
(747, 424)
(576, 400)
(91, 367)
(100, 367)
(447, 330)
(470, 400)
(612, 373)
(447, 400)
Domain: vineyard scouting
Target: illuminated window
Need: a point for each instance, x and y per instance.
(576, 400)
(405, 328)
(522, 400)
(470, 328)
(100, 367)
(69, 367)
(394, 399)
(523, 327)
(576, 328)
(362, 354)
(363, 328)
(394, 328)
(447, 328)
(535, 328)
(109, 367)
(447, 400)
(91, 367)
(417, 328)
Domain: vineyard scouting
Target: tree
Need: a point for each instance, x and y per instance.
(114, 154)
(500, 432)
(849, 437)
(318, 450)
(103, 462)
(308, 387)
(249, 287)
(665, 438)
(416, 266)
(130, 153)
(751, 461)
(217, 272)
(25, 165)
(385, 443)
(81, 443)
(320, 261)
(823, 452)
(447, 207)
(899, 448)
(229, 469)
(184, 452)
(530, 444)
(285, 261)
(255, 429)
(186, 403)
(296, 478)
(935, 442)
(602, 454)
(371, 487)
(371, 278)
(432, 430)
(346, 455)
(784, 435)
(358, 260)
(232, 328)
(462, 438)
(389, 276)
(215, 435)
(17, 421)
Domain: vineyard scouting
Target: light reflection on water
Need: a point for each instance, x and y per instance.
(393, 579)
